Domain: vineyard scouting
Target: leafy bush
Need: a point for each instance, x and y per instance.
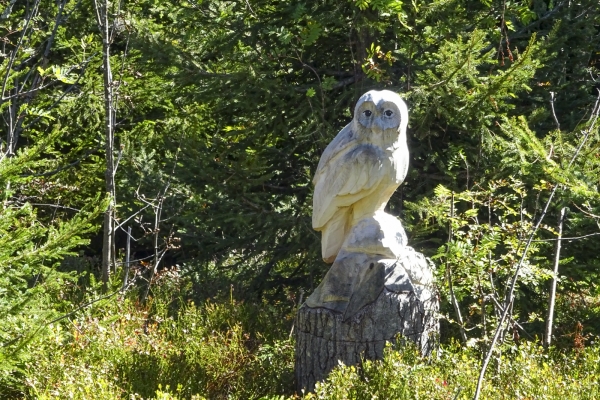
(124, 352)
(229, 349)
(523, 372)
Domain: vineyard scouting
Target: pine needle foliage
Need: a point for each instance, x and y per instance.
(223, 109)
(33, 291)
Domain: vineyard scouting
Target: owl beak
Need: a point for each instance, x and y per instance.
(378, 127)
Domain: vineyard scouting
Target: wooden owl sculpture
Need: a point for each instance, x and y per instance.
(360, 169)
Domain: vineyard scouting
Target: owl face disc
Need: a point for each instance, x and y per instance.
(380, 111)
(380, 116)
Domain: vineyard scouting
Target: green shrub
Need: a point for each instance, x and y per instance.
(119, 349)
(523, 372)
(202, 350)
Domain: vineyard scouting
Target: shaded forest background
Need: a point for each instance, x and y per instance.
(156, 162)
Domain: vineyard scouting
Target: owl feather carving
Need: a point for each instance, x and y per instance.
(360, 169)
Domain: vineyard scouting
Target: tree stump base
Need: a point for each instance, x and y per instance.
(324, 338)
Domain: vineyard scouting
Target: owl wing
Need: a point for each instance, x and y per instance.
(340, 144)
(346, 176)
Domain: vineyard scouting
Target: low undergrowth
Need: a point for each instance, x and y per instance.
(523, 372)
(200, 352)
(225, 349)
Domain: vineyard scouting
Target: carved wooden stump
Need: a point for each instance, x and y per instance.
(323, 338)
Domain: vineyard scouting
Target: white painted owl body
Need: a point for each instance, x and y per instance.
(361, 168)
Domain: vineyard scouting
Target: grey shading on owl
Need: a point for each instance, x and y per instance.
(360, 169)
(356, 176)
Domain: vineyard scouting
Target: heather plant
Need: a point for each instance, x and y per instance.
(125, 351)
(520, 371)
(223, 348)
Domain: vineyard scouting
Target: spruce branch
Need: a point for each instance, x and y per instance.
(508, 301)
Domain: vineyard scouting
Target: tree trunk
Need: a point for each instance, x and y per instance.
(324, 338)
(552, 298)
(109, 123)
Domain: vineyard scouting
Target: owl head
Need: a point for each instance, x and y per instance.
(381, 117)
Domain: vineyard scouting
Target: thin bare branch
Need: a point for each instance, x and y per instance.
(132, 215)
(27, 92)
(552, 96)
(495, 301)
(15, 51)
(158, 255)
(455, 305)
(55, 206)
(8, 10)
(568, 238)
(589, 214)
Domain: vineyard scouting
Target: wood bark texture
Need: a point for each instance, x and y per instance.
(324, 339)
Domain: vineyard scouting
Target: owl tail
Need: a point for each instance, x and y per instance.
(333, 235)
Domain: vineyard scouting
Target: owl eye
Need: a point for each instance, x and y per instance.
(367, 113)
(388, 113)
